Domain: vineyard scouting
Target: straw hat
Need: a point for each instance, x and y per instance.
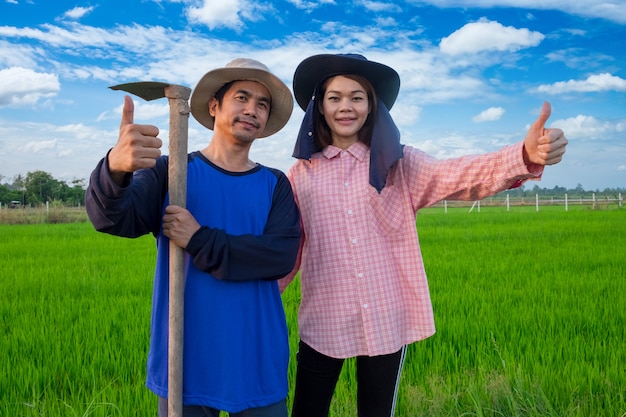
(243, 69)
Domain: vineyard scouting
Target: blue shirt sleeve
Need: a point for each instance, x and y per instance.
(131, 210)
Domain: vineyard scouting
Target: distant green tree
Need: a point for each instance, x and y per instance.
(18, 184)
(40, 187)
(579, 190)
(8, 194)
(76, 194)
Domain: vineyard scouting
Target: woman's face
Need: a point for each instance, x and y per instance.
(345, 108)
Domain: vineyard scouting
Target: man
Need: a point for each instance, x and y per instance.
(240, 232)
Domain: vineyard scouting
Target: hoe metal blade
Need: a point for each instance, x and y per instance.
(147, 90)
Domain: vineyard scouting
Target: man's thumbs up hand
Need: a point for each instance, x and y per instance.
(137, 146)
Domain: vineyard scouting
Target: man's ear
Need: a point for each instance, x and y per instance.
(213, 105)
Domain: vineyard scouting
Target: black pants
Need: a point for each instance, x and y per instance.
(316, 377)
(275, 410)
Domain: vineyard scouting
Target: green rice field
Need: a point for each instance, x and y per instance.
(530, 310)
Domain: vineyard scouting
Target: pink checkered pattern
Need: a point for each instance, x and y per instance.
(364, 288)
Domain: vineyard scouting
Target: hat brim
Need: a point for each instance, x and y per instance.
(315, 69)
(282, 100)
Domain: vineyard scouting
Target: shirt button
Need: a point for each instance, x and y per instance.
(365, 305)
(354, 241)
(349, 211)
(360, 275)
(346, 184)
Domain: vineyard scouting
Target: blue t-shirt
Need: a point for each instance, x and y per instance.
(236, 349)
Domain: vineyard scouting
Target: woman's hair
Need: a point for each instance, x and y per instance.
(323, 136)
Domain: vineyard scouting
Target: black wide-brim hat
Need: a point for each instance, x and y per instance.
(315, 69)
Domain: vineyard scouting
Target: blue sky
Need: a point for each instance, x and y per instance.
(474, 73)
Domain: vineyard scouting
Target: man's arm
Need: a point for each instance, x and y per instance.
(132, 209)
(127, 187)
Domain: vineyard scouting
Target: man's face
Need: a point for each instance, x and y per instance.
(244, 111)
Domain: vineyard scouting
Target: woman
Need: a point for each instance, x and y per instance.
(364, 288)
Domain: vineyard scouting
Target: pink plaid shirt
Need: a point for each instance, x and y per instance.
(363, 284)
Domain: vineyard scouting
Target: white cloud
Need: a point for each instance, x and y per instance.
(309, 5)
(386, 21)
(575, 31)
(489, 115)
(38, 146)
(380, 6)
(580, 59)
(587, 127)
(216, 13)
(423, 89)
(486, 35)
(65, 150)
(406, 115)
(78, 12)
(427, 77)
(14, 55)
(594, 83)
(23, 86)
(135, 52)
(136, 39)
(143, 111)
(614, 10)
(228, 14)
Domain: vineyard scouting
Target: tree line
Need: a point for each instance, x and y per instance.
(39, 187)
(558, 191)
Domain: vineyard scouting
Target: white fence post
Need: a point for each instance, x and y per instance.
(565, 201)
(594, 200)
(537, 202)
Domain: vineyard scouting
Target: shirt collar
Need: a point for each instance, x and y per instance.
(357, 150)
